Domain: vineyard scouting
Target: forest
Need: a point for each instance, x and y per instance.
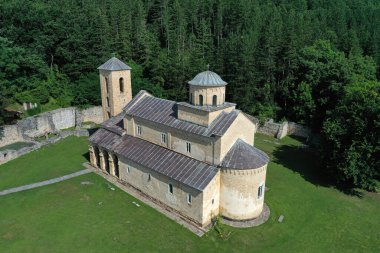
(315, 62)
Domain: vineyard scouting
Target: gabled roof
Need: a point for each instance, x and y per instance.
(115, 124)
(244, 156)
(177, 167)
(114, 64)
(207, 78)
(164, 112)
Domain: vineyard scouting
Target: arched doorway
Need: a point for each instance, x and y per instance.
(97, 158)
(106, 161)
(116, 164)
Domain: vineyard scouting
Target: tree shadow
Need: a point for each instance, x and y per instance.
(306, 162)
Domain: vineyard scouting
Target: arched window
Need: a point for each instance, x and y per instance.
(171, 188)
(191, 98)
(121, 84)
(214, 100)
(200, 100)
(107, 88)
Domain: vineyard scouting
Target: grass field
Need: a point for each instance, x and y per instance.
(48, 162)
(70, 217)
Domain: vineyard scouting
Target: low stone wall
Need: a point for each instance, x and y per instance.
(48, 122)
(11, 134)
(280, 130)
(92, 114)
(269, 128)
(7, 155)
(298, 130)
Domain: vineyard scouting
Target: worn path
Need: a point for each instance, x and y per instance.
(43, 183)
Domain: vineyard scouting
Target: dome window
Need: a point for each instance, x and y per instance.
(214, 100)
(200, 100)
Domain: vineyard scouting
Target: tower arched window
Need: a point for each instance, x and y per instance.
(107, 84)
(121, 84)
(200, 100)
(214, 100)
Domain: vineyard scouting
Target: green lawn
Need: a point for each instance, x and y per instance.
(70, 217)
(50, 161)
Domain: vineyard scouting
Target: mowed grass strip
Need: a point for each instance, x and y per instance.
(72, 217)
(54, 160)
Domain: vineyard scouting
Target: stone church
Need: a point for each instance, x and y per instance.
(196, 158)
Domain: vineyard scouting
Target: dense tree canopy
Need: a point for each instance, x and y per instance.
(285, 59)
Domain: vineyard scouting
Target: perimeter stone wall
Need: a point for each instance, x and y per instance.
(7, 155)
(48, 122)
(269, 128)
(92, 114)
(10, 134)
(280, 130)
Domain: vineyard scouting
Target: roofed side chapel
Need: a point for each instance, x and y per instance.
(196, 157)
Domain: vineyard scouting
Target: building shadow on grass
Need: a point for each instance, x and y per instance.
(306, 162)
(87, 156)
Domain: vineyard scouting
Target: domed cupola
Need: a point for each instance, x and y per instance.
(207, 89)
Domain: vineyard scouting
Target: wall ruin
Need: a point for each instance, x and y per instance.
(48, 122)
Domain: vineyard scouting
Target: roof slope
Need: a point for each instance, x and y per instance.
(244, 156)
(114, 64)
(164, 112)
(115, 124)
(207, 78)
(178, 167)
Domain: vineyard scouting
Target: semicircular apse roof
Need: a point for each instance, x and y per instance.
(207, 78)
(244, 156)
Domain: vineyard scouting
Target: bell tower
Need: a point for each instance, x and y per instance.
(115, 86)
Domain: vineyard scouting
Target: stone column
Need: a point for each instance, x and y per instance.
(92, 155)
(111, 164)
(102, 160)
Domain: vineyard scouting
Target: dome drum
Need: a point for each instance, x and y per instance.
(207, 89)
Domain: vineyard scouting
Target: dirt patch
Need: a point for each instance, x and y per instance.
(8, 236)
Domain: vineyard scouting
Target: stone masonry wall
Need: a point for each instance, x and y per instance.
(280, 130)
(7, 155)
(92, 114)
(48, 122)
(269, 128)
(10, 135)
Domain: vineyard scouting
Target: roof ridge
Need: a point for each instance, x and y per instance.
(136, 99)
(114, 64)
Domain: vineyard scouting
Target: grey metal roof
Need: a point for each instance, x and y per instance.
(244, 156)
(115, 124)
(207, 78)
(105, 139)
(162, 111)
(136, 99)
(114, 64)
(177, 167)
(207, 108)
